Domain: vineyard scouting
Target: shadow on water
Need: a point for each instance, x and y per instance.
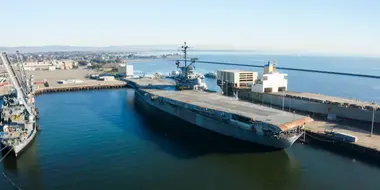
(188, 139)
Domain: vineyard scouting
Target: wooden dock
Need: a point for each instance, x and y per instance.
(77, 88)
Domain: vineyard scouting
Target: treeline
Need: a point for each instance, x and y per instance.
(99, 61)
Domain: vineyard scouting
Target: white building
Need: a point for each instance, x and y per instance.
(237, 78)
(35, 64)
(107, 78)
(29, 68)
(271, 81)
(125, 70)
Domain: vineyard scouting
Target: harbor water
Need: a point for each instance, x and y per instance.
(102, 140)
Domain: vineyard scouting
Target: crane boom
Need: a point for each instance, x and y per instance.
(20, 74)
(16, 82)
(27, 84)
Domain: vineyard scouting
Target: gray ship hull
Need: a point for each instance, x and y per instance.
(25, 144)
(18, 149)
(218, 126)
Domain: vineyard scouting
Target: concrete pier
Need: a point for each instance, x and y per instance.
(365, 140)
(366, 149)
(314, 104)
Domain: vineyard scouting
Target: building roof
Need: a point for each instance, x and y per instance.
(237, 71)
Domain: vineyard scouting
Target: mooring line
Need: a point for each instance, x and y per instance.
(6, 155)
(14, 185)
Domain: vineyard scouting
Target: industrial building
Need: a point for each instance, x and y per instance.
(271, 81)
(237, 78)
(106, 78)
(125, 70)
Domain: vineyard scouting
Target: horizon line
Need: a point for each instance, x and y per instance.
(203, 47)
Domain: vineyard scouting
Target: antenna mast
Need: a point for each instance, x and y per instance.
(184, 47)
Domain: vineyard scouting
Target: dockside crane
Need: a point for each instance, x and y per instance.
(28, 82)
(17, 83)
(21, 74)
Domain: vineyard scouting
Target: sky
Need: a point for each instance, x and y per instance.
(332, 26)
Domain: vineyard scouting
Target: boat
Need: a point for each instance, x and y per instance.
(18, 129)
(193, 103)
(18, 112)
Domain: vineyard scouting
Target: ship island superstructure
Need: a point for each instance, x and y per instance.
(192, 102)
(18, 112)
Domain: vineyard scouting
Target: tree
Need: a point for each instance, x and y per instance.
(118, 60)
(82, 63)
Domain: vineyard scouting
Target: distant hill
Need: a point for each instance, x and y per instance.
(33, 49)
(131, 48)
(167, 48)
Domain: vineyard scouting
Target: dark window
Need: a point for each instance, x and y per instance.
(268, 90)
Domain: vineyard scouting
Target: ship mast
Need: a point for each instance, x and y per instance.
(184, 47)
(186, 68)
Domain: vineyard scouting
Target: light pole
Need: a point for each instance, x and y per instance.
(373, 118)
(227, 87)
(271, 101)
(283, 102)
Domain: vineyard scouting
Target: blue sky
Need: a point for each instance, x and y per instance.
(343, 26)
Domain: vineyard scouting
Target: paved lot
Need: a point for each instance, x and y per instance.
(322, 97)
(53, 76)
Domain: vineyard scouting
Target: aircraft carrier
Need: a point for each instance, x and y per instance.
(192, 102)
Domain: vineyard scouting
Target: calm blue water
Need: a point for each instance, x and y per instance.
(101, 140)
